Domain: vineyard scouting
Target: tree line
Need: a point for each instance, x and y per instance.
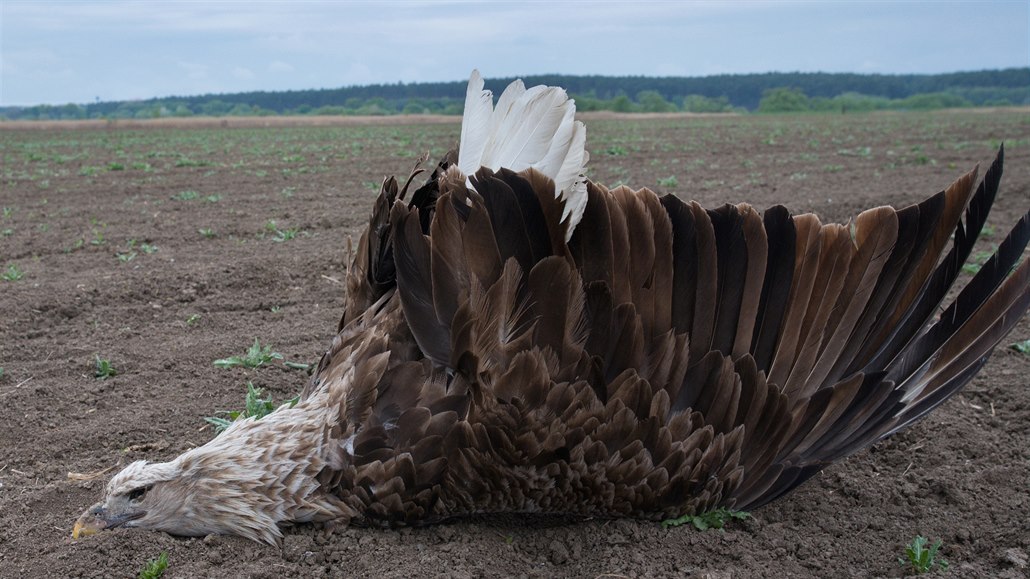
(766, 92)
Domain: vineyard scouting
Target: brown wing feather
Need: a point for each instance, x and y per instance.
(624, 373)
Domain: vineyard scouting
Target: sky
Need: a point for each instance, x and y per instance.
(55, 52)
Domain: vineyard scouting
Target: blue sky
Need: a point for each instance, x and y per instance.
(59, 52)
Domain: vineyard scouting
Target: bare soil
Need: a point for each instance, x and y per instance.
(77, 197)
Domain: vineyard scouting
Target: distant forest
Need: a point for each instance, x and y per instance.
(769, 92)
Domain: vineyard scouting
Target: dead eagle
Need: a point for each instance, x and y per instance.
(519, 339)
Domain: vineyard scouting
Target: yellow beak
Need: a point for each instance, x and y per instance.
(90, 523)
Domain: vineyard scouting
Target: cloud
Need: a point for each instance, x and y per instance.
(185, 47)
(194, 70)
(279, 66)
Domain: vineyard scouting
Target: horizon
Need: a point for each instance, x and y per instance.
(60, 53)
(488, 79)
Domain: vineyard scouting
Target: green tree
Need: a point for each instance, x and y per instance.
(783, 100)
(651, 101)
(622, 104)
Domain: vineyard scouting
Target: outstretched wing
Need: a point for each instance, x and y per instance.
(650, 356)
(784, 342)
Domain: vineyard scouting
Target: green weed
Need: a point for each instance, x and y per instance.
(188, 195)
(668, 182)
(256, 356)
(98, 237)
(309, 368)
(12, 273)
(193, 319)
(1022, 347)
(186, 162)
(155, 568)
(715, 519)
(102, 369)
(254, 406)
(280, 235)
(977, 261)
(207, 232)
(921, 558)
(285, 235)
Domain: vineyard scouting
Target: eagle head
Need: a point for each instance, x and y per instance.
(184, 500)
(247, 481)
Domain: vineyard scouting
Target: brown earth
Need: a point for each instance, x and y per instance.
(74, 199)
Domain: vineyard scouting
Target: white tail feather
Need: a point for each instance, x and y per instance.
(530, 128)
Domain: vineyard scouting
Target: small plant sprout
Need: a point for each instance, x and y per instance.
(668, 182)
(125, 256)
(254, 406)
(715, 519)
(148, 248)
(193, 319)
(1022, 347)
(8, 211)
(279, 235)
(256, 356)
(285, 235)
(978, 260)
(207, 232)
(309, 368)
(102, 369)
(155, 568)
(12, 273)
(923, 558)
(188, 195)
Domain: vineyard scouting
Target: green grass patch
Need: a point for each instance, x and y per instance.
(155, 568)
(922, 558)
(254, 406)
(12, 273)
(978, 260)
(256, 355)
(714, 519)
(102, 369)
(1022, 347)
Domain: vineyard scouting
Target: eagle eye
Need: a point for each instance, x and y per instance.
(137, 494)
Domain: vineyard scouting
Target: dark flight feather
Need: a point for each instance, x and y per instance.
(703, 358)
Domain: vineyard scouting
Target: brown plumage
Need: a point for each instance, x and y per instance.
(509, 345)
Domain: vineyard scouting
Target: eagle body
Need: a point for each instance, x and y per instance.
(519, 339)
